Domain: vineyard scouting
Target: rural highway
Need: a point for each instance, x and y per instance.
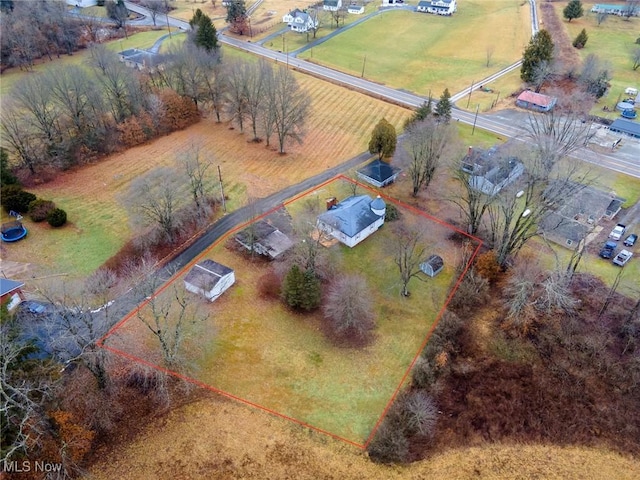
(508, 129)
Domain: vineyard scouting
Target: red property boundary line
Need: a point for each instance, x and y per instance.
(223, 393)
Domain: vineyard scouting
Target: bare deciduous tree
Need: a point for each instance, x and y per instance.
(289, 106)
(425, 144)
(236, 87)
(473, 203)
(347, 306)
(490, 50)
(195, 166)
(635, 59)
(20, 138)
(255, 76)
(409, 251)
(154, 199)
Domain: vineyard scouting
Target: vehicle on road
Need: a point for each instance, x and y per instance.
(618, 231)
(622, 258)
(608, 249)
(630, 241)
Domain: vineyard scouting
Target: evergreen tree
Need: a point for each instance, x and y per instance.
(235, 9)
(6, 175)
(540, 49)
(383, 139)
(206, 35)
(197, 17)
(443, 107)
(581, 39)
(573, 10)
(311, 291)
(292, 288)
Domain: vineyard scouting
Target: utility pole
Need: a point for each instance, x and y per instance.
(224, 205)
(168, 26)
(364, 62)
(470, 90)
(474, 119)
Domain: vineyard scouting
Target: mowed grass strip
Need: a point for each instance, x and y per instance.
(260, 351)
(612, 41)
(339, 127)
(422, 52)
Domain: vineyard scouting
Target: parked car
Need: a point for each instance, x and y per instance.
(622, 258)
(630, 241)
(608, 249)
(34, 307)
(618, 232)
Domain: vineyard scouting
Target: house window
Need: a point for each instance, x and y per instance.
(569, 242)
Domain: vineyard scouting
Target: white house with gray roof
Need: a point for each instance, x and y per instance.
(353, 219)
(438, 7)
(300, 21)
(209, 279)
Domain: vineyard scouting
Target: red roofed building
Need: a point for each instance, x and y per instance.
(536, 101)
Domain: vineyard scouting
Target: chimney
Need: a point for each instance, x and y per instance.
(331, 202)
(469, 151)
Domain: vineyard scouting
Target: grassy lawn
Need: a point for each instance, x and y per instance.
(499, 97)
(138, 40)
(612, 41)
(427, 52)
(268, 355)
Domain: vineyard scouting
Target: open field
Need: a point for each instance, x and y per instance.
(144, 39)
(216, 438)
(613, 42)
(90, 195)
(440, 56)
(266, 354)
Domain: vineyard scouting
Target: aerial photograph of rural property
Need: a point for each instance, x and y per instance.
(349, 239)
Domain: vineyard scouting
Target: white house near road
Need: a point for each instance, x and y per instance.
(353, 219)
(332, 5)
(82, 3)
(209, 279)
(300, 21)
(438, 7)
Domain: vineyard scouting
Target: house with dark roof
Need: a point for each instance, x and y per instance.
(621, 125)
(142, 60)
(331, 5)
(378, 173)
(581, 209)
(491, 170)
(353, 219)
(299, 21)
(536, 101)
(437, 7)
(11, 292)
(265, 239)
(209, 279)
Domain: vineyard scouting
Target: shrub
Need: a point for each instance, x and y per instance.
(348, 308)
(39, 209)
(392, 213)
(269, 285)
(487, 266)
(57, 217)
(581, 40)
(16, 199)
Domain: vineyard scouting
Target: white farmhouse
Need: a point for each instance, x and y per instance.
(300, 21)
(438, 7)
(332, 5)
(209, 279)
(353, 219)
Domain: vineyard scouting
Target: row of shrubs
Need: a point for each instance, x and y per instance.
(14, 198)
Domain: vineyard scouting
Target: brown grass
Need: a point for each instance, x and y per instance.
(214, 438)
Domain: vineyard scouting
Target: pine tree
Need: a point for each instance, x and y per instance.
(292, 288)
(573, 10)
(206, 35)
(540, 49)
(383, 139)
(581, 39)
(443, 107)
(311, 291)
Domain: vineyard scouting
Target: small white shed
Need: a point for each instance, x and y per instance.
(209, 279)
(432, 266)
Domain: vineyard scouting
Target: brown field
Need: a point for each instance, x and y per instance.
(215, 438)
(339, 127)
